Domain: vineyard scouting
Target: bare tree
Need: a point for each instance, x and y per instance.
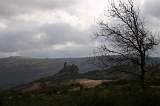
(126, 36)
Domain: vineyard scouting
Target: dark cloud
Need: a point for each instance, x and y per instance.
(12, 41)
(29, 38)
(55, 34)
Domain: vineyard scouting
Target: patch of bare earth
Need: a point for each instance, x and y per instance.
(32, 87)
(87, 83)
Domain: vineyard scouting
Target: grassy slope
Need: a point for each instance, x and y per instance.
(122, 93)
(119, 93)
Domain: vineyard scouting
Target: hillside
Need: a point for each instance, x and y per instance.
(82, 92)
(69, 75)
(69, 87)
(15, 71)
(19, 70)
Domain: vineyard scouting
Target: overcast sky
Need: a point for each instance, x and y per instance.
(57, 28)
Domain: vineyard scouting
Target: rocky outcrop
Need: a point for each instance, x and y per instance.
(68, 70)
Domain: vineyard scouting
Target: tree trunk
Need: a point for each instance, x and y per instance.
(142, 71)
(142, 76)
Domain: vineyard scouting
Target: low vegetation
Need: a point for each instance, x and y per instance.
(118, 93)
(96, 88)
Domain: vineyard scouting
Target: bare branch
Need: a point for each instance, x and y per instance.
(129, 37)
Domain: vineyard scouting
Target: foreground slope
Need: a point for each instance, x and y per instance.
(68, 87)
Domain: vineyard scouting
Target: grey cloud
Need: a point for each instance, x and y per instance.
(84, 50)
(152, 8)
(21, 40)
(13, 41)
(13, 7)
(62, 33)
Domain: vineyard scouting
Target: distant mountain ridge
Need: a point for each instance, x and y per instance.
(16, 70)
